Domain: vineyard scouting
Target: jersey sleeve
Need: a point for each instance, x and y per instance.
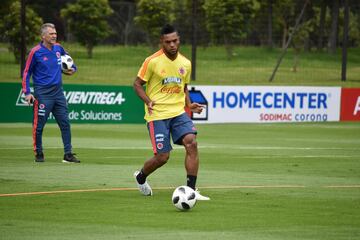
(188, 74)
(30, 62)
(146, 70)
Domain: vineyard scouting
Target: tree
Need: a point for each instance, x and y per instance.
(334, 27)
(285, 12)
(291, 35)
(152, 15)
(10, 27)
(122, 21)
(321, 24)
(300, 39)
(49, 11)
(86, 19)
(345, 40)
(227, 20)
(270, 19)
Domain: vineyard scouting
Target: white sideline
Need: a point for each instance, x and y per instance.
(169, 188)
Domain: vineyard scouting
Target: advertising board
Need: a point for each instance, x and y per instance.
(227, 104)
(87, 104)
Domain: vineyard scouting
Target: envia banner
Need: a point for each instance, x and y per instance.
(87, 104)
(227, 104)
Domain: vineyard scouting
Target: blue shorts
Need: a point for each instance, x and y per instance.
(160, 131)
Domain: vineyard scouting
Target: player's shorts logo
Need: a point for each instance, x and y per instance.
(159, 137)
(160, 146)
(42, 106)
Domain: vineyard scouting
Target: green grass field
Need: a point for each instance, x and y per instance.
(118, 65)
(266, 181)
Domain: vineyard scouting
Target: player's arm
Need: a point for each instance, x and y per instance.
(138, 87)
(29, 98)
(69, 72)
(194, 107)
(73, 68)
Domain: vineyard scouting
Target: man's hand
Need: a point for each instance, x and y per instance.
(150, 106)
(70, 71)
(29, 99)
(196, 107)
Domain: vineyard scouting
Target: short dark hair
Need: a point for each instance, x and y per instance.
(167, 28)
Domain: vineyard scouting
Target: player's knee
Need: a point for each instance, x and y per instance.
(162, 158)
(191, 145)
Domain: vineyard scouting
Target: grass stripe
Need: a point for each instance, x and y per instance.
(180, 147)
(168, 188)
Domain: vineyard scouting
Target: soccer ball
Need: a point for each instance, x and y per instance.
(66, 62)
(183, 198)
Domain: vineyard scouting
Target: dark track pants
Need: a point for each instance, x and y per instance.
(58, 107)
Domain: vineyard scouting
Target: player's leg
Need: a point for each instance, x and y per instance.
(60, 112)
(191, 159)
(184, 133)
(192, 163)
(149, 167)
(160, 140)
(42, 108)
(155, 162)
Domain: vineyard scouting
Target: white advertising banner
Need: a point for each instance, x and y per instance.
(231, 104)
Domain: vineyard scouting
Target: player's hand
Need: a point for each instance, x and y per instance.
(30, 98)
(69, 72)
(196, 107)
(150, 107)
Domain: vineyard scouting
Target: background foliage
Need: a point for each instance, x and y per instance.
(253, 38)
(87, 21)
(10, 28)
(247, 22)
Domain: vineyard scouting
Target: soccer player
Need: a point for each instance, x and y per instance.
(44, 65)
(166, 74)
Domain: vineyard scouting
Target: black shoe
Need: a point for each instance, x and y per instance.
(70, 158)
(39, 157)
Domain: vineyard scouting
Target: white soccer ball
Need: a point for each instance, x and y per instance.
(184, 198)
(66, 62)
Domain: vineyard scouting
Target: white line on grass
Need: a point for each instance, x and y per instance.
(203, 146)
(167, 188)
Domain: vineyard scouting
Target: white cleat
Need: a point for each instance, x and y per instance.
(200, 197)
(145, 188)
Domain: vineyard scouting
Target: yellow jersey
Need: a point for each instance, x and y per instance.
(165, 81)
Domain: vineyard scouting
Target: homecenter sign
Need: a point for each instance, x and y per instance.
(271, 104)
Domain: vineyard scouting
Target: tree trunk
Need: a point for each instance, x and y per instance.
(321, 25)
(129, 23)
(288, 41)
(284, 37)
(296, 60)
(23, 37)
(334, 27)
(270, 17)
(307, 45)
(89, 49)
(345, 40)
(193, 39)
